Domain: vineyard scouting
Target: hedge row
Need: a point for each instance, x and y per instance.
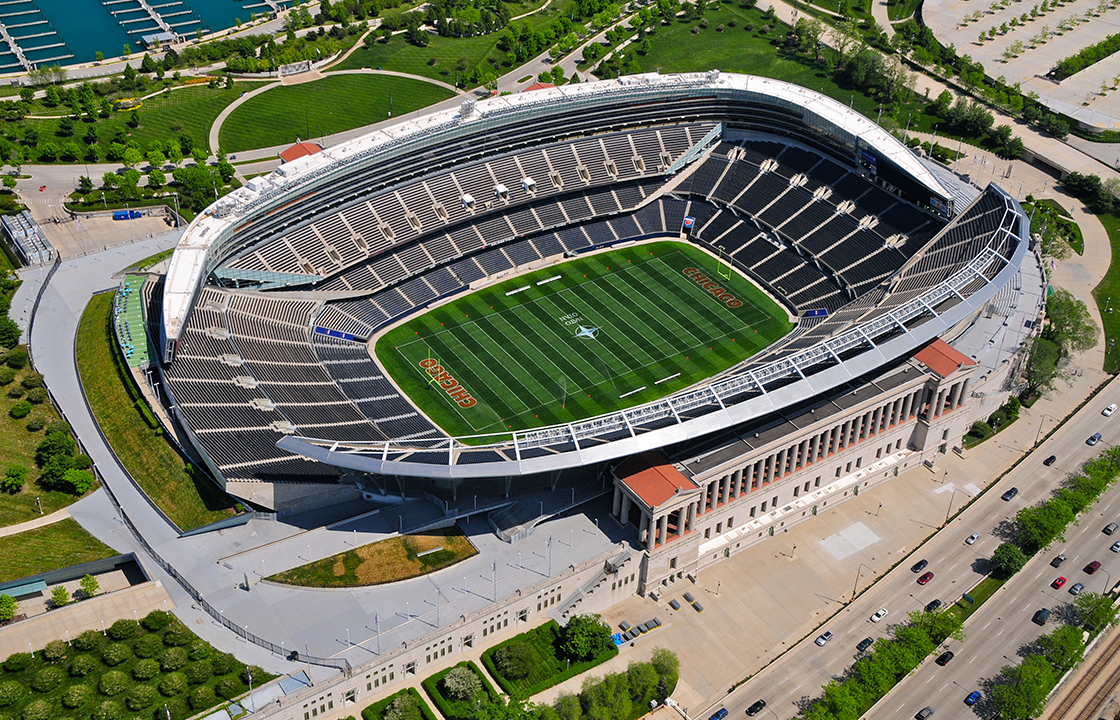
(546, 635)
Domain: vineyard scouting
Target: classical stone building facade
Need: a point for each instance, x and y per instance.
(707, 502)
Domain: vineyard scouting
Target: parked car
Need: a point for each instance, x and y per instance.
(1093, 567)
(972, 538)
(944, 658)
(882, 613)
(1050, 460)
(1107, 412)
(824, 638)
(1041, 616)
(864, 644)
(925, 578)
(1010, 493)
(919, 566)
(933, 605)
(1057, 584)
(719, 714)
(973, 698)
(1077, 588)
(1110, 528)
(756, 708)
(1115, 546)
(924, 713)
(1093, 439)
(1058, 560)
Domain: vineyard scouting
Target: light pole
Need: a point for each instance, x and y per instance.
(880, 508)
(792, 555)
(856, 583)
(950, 508)
(1038, 434)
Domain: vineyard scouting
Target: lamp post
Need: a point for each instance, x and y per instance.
(1041, 421)
(950, 508)
(855, 585)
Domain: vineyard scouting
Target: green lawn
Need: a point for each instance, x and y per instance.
(674, 48)
(189, 498)
(190, 111)
(375, 711)
(324, 107)
(526, 360)
(17, 447)
(898, 10)
(979, 593)
(548, 669)
(452, 56)
(385, 561)
(51, 547)
(1108, 294)
(459, 709)
(157, 669)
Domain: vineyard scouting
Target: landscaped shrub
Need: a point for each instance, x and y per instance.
(21, 409)
(7, 375)
(38, 710)
(17, 662)
(202, 698)
(178, 635)
(148, 646)
(460, 683)
(10, 692)
(116, 653)
(124, 630)
(173, 659)
(114, 682)
(36, 424)
(37, 396)
(223, 663)
(107, 710)
(32, 380)
(55, 650)
(58, 426)
(89, 640)
(47, 679)
(156, 620)
(76, 696)
(228, 687)
(145, 669)
(82, 665)
(17, 357)
(250, 671)
(515, 661)
(173, 684)
(199, 651)
(198, 672)
(140, 697)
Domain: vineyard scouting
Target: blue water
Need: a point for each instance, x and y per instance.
(87, 26)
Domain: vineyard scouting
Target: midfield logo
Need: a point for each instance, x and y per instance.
(587, 332)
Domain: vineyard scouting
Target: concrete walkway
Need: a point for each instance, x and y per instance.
(36, 523)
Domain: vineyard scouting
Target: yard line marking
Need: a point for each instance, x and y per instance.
(548, 280)
(643, 387)
(521, 289)
(666, 378)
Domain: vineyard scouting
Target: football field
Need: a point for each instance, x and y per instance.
(578, 339)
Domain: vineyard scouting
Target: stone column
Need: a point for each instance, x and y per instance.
(813, 443)
(876, 420)
(680, 521)
(964, 392)
(954, 396)
(663, 529)
(938, 404)
(833, 440)
(725, 489)
(616, 506)
(781, 469)
(802, 454)
(624, 511)
(690, 516)
(736, 484)
(647, 522)
(906, 408)
(769, 470)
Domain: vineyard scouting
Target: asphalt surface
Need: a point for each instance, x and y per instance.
(1000, 630)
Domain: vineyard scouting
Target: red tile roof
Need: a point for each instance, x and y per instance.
(651, 477)
(942, 358)
(538, 86)
(299, 150)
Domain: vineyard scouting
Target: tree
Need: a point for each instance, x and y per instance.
(90, 586)
(134, 119)
(77, 481)
(156, 179)
(644, 683)
(174, 152)
(1094, 612)
(1007, 560)
(460, 683)
(1070, 325)
(516, 660)
(199, 156)
(9, 334)
(403, 707)
(127, 51)
(668, 667)
(13, 480)
(52, 99)
(99, 56)
(60, 596)
(608, 698)
(147, 64)
(1040, 525)
(810, 31)
(1064, 648)
(584, 638)
(132, 157)
(1020, 692)
(156, 159)
(8, 608)
(1042, 364)
(55, 444)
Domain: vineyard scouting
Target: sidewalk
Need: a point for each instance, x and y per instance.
(36, 523)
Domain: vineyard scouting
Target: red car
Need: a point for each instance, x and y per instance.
(1093, 567)
(1057, 584)
(925, 578)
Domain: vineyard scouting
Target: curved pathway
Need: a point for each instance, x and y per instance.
(216, 127)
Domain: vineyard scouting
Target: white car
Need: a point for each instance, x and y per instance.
(1107, 412)
(879, 615)
(972, 538)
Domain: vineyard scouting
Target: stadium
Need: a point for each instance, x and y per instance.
(698, 287)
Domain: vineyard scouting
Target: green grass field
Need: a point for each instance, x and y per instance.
(1108, 289)
(324, 107)
(586, 337)
(47, 548)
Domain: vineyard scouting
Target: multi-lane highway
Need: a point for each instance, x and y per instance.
(999, 629)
